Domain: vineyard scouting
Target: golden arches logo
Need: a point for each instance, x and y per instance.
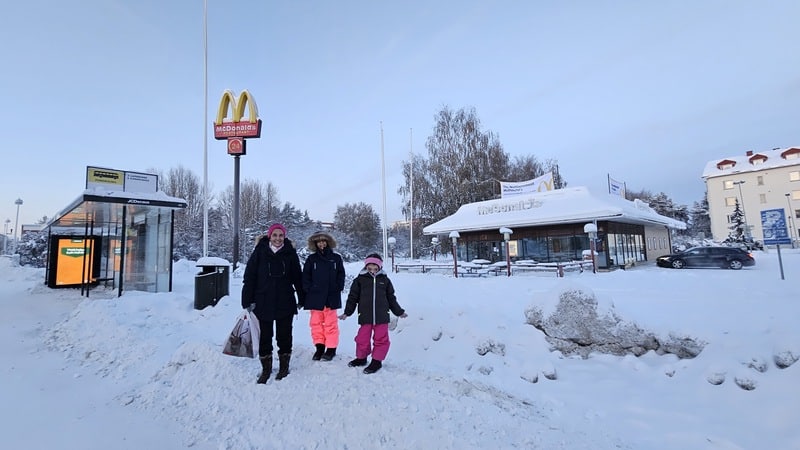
(235, 127)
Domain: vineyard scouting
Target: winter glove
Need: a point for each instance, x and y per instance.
(403, 316)
(251, 307)
(343, 316)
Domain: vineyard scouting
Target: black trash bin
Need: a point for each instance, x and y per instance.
(211, 284)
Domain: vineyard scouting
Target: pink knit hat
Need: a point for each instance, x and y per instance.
(374, 260)
(274, 227)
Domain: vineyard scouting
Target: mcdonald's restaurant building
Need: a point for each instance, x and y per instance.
(119, 231)
(549, 227)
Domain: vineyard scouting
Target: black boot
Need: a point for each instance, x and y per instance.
(358, 362)
(373, 367)
(318, 353)
(266, 368)
(283, 365)
(329, 354)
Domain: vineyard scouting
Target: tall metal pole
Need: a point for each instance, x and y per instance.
(383, 189)
(5, 237)
(205, 130)
(411, 192)
(17, 202)
(235, 210)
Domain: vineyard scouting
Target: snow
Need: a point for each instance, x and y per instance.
(465, 369)
(566, 205)
(773, 159)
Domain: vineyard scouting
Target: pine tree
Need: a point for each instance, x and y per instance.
(737, 225)
(700, 220)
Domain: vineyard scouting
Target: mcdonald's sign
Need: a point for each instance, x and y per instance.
(227, 127)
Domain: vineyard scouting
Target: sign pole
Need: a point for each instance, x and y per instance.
(236, 226)
(235, 129)
(773, 222)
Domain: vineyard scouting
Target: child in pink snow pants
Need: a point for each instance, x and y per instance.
(372, 292)
(323, 283)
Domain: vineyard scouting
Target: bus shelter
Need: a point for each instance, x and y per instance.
(117, 237)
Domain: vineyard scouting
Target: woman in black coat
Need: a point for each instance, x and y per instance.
(272, 277)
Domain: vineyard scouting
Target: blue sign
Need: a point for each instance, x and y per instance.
(773, 222)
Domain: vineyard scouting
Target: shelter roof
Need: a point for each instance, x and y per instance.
(101, 208)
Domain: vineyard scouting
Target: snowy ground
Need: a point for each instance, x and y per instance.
(146, 370)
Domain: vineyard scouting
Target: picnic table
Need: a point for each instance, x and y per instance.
(470, 269)
(423, 266)
(559, 268)
(498, 267)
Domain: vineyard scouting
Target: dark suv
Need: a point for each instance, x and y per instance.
(724, 257)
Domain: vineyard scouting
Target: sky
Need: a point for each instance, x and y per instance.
(645, 92)
(147, 370)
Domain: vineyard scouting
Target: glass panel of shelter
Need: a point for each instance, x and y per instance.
(146, 252)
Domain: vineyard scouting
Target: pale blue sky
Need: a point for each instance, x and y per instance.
(646, 91)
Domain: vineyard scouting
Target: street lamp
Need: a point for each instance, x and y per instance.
(391, 242)
(741, 199)
(454, 237)
(435, 245)
(591, 229)
(5, 237)
(17, 202)
(506, 232)
(791, 218)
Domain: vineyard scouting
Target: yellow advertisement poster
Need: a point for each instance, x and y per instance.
(71, 264)
(105, 179)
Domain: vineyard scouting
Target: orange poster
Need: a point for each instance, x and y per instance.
(69, 265)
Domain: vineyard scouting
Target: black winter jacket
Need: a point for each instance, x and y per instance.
(271, 280)
(323, 280)
(374, 296)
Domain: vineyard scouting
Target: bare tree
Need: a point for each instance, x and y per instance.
(258, 206)
(182, 183)
(464, 165)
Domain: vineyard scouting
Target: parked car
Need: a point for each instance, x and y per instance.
(723, 257)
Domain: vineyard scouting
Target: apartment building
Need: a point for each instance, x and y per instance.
(759, 181)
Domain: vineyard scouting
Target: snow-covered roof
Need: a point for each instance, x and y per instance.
(560, 206)
(98, 205)
(751, 162)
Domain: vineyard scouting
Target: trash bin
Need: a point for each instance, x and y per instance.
(211, 284)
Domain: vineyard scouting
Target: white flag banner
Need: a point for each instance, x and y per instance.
(512, 188)
(615, 187)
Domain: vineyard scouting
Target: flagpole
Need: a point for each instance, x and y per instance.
(608, 182)
(205, 128)
(411, 192)
(383, 189)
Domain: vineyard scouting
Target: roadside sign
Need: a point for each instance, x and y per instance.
(773, 222)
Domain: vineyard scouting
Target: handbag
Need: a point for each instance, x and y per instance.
(244, 338)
